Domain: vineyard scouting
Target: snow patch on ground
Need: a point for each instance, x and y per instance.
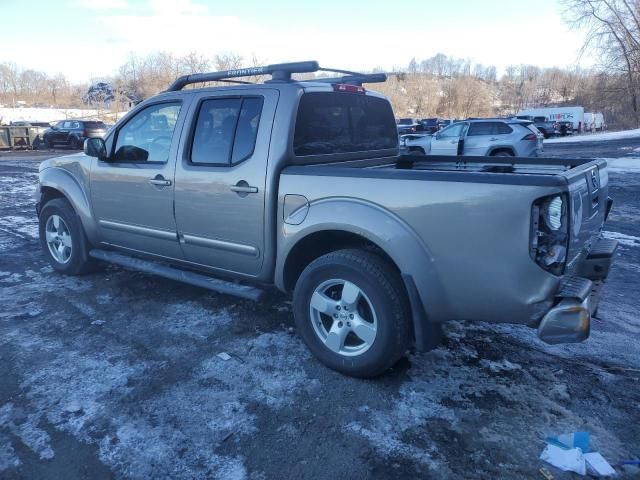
(623, 165)
(191, 319)
(623, 239)
(8, 457)
(596, 137)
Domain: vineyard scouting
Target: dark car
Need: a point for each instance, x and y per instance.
(408, 125)
(72, 133)
(430, 125)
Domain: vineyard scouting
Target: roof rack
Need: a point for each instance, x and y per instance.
(280, 72)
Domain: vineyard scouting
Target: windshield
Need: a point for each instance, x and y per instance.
(330, 122)
(405, 121)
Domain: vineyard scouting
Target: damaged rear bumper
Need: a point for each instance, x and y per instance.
(569, 320)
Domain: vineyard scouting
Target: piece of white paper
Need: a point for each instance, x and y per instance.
(224, 356)
(569, 460)
(597, 465)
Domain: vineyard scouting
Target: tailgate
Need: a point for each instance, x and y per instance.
(588, 194)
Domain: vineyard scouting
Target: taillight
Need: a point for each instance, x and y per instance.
(550, 233)
(341, 87)
(531, 136)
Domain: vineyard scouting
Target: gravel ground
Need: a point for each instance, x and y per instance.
(117, 375)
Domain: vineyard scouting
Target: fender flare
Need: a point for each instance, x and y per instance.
(63, 181)
(381, 227)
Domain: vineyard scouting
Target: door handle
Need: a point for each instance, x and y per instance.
(160, 181)
(242, 187)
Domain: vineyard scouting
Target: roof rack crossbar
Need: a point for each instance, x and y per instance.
(356, 79)
(279, 71)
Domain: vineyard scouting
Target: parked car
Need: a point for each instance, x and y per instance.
(297, 184)
(444, 123)
(72, 133)
(429, 125)
(408, 125)
(565, 128)
(489, 137)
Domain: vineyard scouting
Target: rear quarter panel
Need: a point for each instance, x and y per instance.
(475, 235)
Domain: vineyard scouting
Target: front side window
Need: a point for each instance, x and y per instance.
(147, 136)
(332, 122)
(226, 130)
(453, 131)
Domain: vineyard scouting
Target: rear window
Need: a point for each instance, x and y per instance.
(330, 122)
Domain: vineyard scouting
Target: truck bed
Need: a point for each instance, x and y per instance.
(538, 171)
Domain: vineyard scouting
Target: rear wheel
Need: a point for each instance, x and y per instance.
(352, 312)
(63, 239)
(502, 153)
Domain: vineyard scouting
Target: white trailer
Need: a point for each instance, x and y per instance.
(593, 121)
(574, 114)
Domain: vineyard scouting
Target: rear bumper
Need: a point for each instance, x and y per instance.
(569, 320)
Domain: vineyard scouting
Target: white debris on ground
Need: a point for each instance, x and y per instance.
(596, 137)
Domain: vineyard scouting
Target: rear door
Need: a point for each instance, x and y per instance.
(132, 193)
(446, 141)
(480, 137)
(221, 179)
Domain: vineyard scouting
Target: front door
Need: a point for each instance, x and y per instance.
(446, 141)
(221, 180)
(132, 192)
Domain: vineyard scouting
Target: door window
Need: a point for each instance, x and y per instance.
(452, 131)
(226, 130)
(147, 136)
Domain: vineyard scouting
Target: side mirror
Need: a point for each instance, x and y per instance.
(95, 147)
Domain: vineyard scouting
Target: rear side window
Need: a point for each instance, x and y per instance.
(503, 129)
(330, 122)
(226, 130)
(94, 125)
(489, 128)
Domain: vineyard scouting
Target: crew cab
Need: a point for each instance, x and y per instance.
(299, 185)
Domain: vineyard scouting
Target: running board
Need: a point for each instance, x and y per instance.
(185, 276)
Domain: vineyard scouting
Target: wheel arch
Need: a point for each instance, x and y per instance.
(59, 183)
(502, 148)
(371, 227)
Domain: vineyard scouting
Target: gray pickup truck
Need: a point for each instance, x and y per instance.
(299, 184)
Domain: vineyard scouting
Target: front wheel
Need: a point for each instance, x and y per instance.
(62, 238)
(352, 312)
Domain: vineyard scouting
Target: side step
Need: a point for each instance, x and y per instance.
(185, 276)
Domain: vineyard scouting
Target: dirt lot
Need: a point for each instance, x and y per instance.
(116, 375)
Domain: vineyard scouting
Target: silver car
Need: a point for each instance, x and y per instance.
(487, 137)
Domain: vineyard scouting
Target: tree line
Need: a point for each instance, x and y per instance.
(439, 86)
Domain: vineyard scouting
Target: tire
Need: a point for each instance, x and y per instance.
(49, 144)
(380, 314)
(63, 239)
(416, 151)
(502, 153)
(74, 143)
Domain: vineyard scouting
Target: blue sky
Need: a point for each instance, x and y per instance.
(91, 38)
